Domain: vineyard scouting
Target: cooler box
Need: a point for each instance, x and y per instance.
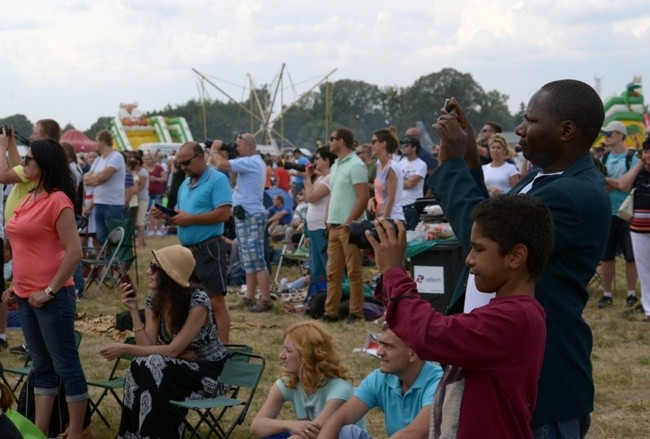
(436, 272)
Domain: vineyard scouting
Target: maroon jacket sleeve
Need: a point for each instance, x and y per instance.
(475, 340)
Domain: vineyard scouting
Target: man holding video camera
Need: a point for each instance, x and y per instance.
(250, 215)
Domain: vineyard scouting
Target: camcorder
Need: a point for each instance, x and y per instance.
(298, 167)
(358, 233)
(231, 147)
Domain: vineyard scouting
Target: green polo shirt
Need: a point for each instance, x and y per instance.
(343, 176)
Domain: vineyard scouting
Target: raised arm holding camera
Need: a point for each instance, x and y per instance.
(250, 216)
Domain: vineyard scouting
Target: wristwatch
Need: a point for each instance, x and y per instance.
(49, 292)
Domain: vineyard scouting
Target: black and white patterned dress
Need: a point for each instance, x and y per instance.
(152, 381)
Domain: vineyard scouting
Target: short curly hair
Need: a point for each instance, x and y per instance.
(320, 360)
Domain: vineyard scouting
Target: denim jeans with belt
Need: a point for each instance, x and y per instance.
(49, 334)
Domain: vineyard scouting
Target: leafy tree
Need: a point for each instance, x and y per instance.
(102, 123)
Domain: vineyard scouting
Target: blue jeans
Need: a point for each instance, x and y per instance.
(104, 212)
(79, 281)
(317, 254)
(353, 432)
(411, 215)
(575, 428)
(49, 333)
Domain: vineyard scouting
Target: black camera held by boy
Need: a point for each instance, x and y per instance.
(8, 129)
(358, 233)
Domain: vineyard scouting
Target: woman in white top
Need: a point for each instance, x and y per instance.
(500, 176)
(388, 184)
(317, 196)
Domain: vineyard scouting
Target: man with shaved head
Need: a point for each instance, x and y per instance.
(250, 217)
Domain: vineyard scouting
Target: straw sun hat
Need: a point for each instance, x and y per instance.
(177, 262)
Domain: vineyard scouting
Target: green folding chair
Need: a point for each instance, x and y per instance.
(242, 372)
(112, 384)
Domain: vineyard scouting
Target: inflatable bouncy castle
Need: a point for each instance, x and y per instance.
(629, 108)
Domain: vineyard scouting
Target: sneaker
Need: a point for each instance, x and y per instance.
(631, 301)
(261, 306)
(636, 309)
(605, 302)
(243, 304)
(4, 344)
(283, 284)
(352, 318)
(330, 319)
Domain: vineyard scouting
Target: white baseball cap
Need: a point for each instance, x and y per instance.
(615, 125)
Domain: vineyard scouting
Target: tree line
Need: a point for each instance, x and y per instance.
(359, 105)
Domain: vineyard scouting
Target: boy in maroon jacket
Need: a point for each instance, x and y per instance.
(494, 353)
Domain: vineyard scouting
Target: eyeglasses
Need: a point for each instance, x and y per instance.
(607, 134)
(332, 138)
(27, 159)
(153, 267)
(188, 161)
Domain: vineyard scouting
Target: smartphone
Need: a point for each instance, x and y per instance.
(448, 107)
(126, 279)
(165, 210)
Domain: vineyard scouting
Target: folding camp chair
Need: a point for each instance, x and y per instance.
(107, 265)
(301, 254)
(127, 254)
(242, 372)
(114, 382)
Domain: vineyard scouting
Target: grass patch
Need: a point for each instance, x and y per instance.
(620, 355)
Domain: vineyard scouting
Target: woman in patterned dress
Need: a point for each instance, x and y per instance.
(178, 352)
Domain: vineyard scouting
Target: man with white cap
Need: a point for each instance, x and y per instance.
(617, 161)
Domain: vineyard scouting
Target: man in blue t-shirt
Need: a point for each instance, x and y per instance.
(403, 388)
(204, 204)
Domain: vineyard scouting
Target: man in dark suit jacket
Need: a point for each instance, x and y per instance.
(561, 122)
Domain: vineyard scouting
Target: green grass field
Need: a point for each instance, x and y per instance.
(621, 355)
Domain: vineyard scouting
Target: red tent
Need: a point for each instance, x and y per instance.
(79, 141)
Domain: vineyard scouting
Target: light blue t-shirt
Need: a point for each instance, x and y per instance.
(211, 191)
(615, 165)
(385, 391)
(111, 191)
(251, 178)
(309, 406)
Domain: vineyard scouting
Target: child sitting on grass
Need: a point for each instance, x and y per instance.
(494, 353)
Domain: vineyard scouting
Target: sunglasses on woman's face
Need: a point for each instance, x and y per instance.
(153, 267)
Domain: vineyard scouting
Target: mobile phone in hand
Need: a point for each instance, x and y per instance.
(126, 279)
(165, 210)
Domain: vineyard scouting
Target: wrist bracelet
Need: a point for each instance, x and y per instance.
(141, 328)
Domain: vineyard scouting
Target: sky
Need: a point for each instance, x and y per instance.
(77, 60)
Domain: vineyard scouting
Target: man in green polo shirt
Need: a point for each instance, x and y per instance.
(348, 200)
